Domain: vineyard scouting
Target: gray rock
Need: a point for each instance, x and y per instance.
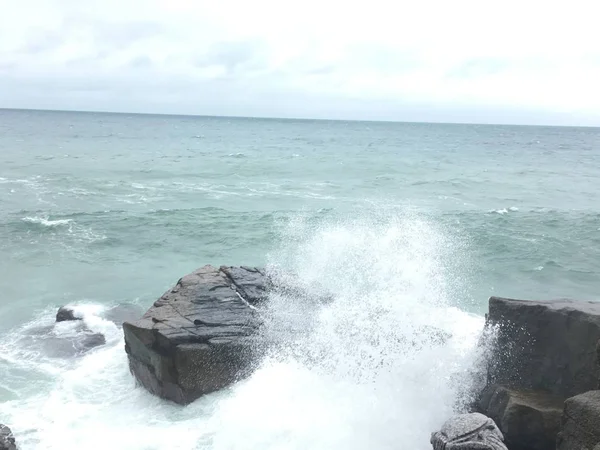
(65, 313)
(199, 336)
(529, 420)
(468, 432)
(545, 346)
(62, 344)
(7, 440)
(580, 423)
(250, 282)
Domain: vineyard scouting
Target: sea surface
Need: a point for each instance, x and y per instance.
(410, 225)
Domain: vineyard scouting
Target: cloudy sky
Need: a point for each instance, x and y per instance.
(509, 61)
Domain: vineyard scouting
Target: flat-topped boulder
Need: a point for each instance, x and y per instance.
(547, 346)
(200, 335)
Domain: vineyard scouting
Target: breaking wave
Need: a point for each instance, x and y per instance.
(377, 356)
(46, 222)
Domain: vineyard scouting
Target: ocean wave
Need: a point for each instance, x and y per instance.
(46, 222)
(65, 231)
(504, 210)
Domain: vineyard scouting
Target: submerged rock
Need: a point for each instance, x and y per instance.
(65, 314)
(529, 420)
(7, 440)
(119, 314)
(548, 346)
(199, 336)
(62, 343)
(468, 432)
(580, 423)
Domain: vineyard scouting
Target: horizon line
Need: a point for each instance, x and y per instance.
(307, 119)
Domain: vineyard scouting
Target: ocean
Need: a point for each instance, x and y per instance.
(409, 225)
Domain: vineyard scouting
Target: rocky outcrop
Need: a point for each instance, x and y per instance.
(581, 423)
(468, 432)
(541, 353)
(7, 440)
(65, 314)
(200, 335)
(529, 420)
(548, 346)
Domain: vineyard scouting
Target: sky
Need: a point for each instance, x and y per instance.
(524, 62)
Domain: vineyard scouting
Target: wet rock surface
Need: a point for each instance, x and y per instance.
(200, 335)
(580, 423)
(529, 420)
(468, 432)
(540, 353)
(65, 339)
(545, 345)
(66, 313)
(7, 440)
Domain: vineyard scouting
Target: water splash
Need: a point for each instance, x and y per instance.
(382, 362)
(371, 351)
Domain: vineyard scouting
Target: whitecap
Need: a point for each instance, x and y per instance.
(44, 221)
(503, 211)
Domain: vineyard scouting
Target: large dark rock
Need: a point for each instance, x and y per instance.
(200, 335)
(65, 314)
(529, 420)
(545, 346)
(581, 423)
(468, 432)
(7, 440)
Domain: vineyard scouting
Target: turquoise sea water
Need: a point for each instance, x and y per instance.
(104, 209)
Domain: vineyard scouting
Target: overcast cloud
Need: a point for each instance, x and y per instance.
(434, 60)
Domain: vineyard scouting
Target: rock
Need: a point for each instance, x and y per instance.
(7, 440)
(70, 345)
(468, 432)
(199, 336)
(65, 313)
(62, 340)
(250, 282)
(529, 420)
(580, 423)
(545, 346)
(87, 341)
(127, 312)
